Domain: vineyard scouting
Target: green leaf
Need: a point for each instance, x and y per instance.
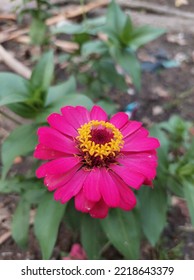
(162, 152)
(42, 74)
(73, 218)
(10, 186)
(20, 223)
(38, 30)
(189, 195)
(70, 100)
(108, 106)
(20, 142)
(153, 208)
(59, 91)
(126, 32)
(123, 230)
(144, 34)
(93, 47)
(92, 237)
(13, 88)
(24, 110)
(116, 18)
(130, 64)
(69, 28)
(109, 75)
(47, 220)
(33, 191)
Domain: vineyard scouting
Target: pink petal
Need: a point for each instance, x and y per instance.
(138, 134)
(128, 199)
(119, 119)
(130, 128)
(56, 141)
(82, 203)
(57, 166)
(77, 252)
(148, 182)
(91, 185)
(59, 123)
(84, 115)
(97, 113)
(143, 144)
(130, 177)
(53, 182)
(72, 187)
(143, 166)
(100, 210)
(45, 153)
(71, 116)
(108, 189)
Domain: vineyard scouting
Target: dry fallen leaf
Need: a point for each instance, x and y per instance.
(161, 92)
(157, 110)
(177, 39)
(179, 3)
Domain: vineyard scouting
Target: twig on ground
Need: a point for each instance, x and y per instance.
(7, 17)
(156, 8)
(5, 236)
(14, 64)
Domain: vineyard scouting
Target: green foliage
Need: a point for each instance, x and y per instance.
(20, 142)
(13, 88)
(21, 221)
(189, 196)
(38, 29)
(92, 237)
(124, 39)
(93, 68)
(121, 41)
(124, 232)
(48, 217)
(153, 209)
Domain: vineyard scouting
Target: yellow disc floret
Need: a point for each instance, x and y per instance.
(100, 139)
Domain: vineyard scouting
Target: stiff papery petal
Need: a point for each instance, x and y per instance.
(128, 199)
(119, 119)
(97, 113)
(130, 128)
(53, 182)
(57, 166)
(56, 141)
(91, 185)
(140, 144)
(59, 123)
(84, 115)
(82, 203)
(100, 210)
(108, 188)
(45, 153)
(72, 187)
(148, 169)
(130, 177)
(71, 116)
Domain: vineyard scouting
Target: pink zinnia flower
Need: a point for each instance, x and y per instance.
(76, 253)
(94, 160)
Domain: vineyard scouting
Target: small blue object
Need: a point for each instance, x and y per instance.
(131, 107)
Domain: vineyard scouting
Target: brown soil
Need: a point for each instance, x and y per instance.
(164, 92)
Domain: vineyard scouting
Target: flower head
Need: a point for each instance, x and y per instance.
(94, 160)
(76, 253)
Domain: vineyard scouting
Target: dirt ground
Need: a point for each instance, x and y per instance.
(165, 91)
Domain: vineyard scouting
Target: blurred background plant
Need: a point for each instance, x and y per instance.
(105, 59)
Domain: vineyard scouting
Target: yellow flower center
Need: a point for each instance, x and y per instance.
(99, 139)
